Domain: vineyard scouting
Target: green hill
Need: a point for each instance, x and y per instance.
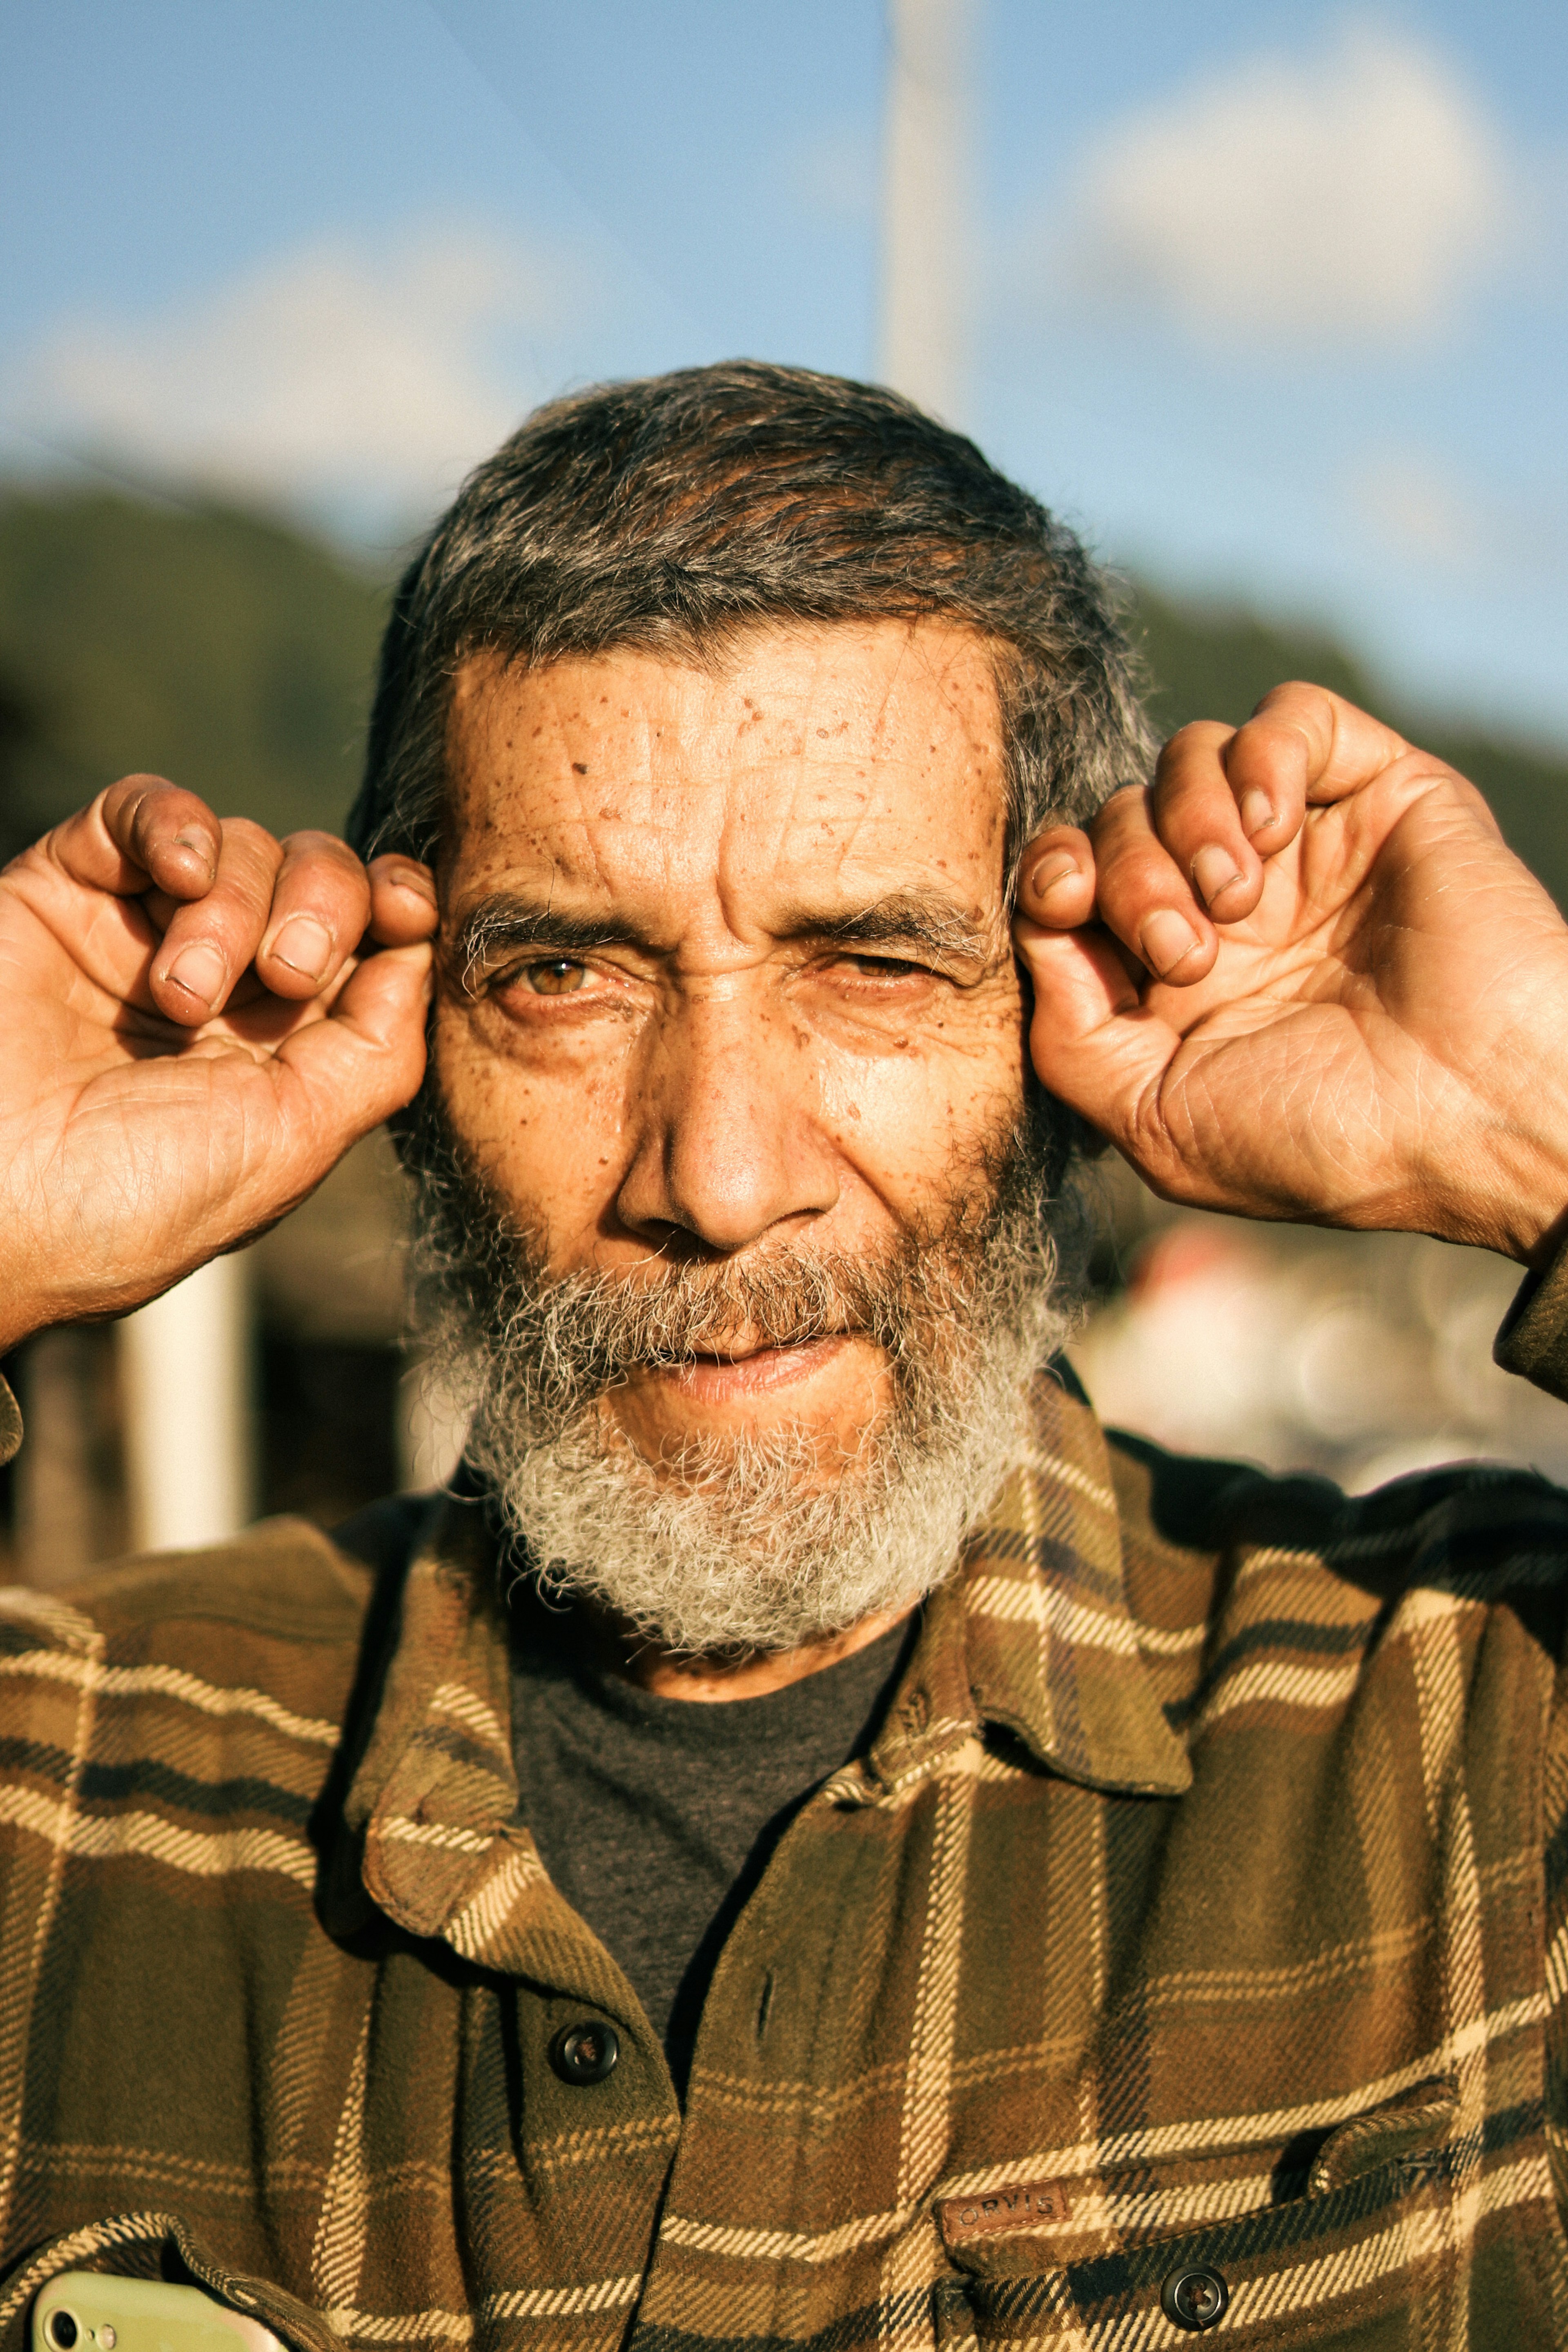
(235, 655)
(1210, 664)
(228, 652)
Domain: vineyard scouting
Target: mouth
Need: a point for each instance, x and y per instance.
(748, 1369)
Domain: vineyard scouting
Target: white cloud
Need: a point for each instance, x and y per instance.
(335, 372)
(1351, 197)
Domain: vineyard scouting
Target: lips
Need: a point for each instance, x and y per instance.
(746, 1347)
(742, 1352)
(765, 1364)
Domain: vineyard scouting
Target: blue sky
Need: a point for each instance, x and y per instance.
(1272, 298)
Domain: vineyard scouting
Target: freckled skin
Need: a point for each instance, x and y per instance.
(716, 1077)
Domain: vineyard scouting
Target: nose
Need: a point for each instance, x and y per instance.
(727, 1141)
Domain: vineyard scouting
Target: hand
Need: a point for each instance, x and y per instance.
(190, 1042)
(1319, 986)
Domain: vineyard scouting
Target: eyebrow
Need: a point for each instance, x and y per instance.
(901, 918)
(510, 926)
(918, 919)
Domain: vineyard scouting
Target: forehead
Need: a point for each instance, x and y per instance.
(849, 756)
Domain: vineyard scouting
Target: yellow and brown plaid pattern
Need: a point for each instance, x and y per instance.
(1201, 1907)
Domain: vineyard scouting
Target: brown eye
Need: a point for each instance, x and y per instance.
(560, 977)
(880, 967)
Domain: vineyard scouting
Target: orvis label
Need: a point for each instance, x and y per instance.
(1026, 2207)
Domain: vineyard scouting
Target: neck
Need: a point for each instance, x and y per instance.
(669, 1674)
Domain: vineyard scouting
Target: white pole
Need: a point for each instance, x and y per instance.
(186, 1381)
(926, 242)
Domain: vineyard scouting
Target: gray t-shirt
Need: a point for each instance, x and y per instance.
(656, 1816)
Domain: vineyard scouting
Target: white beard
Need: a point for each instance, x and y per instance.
(741, 1545)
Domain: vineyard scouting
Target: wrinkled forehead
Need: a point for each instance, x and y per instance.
(851, 757)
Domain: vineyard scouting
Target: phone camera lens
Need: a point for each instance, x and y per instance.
(62, 2330)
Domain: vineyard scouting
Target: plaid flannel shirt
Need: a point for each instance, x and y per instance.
(1194, 1928)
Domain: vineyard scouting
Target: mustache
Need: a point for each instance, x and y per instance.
(551, 1343)
(622, 1323)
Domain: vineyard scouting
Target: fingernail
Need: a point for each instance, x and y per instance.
(304, 945)
(198, 848)
(201, 972)
(1214, 871)
(1165, 938)
(415, 878)
(1256, 813)
(1049, 874)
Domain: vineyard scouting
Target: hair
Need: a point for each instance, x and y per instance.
(674, 512)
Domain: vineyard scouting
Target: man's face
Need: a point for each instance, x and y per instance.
(726, 975)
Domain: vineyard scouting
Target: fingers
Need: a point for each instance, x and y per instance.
(229, 897)
(1123, 871)
(366, 1058)
(1125, 874)
(1226, 800)
(1161, 868)
(211, 941)
(1308, 746)
(1056, 878)
(320, 905)
(141, 830)
(1218, 825)
(295, 910)
(1092, 1041)
(402, 901)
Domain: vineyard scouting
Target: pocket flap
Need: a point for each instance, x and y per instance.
(1415, 2125)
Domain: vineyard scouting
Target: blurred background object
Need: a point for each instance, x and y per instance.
(1362, 1355)
(187, 1413)
(927, 228)
(1269, 299)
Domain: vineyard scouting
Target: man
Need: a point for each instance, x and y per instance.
(811, 1843)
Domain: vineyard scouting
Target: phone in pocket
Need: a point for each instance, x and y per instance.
(81, 2311)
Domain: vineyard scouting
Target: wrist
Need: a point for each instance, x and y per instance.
(1508, 1193)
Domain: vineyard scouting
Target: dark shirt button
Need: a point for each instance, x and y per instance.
(1195, 2298)
(586, 2052)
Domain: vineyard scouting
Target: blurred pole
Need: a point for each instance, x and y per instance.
(184, 1364)
(927, 250)
(65, 1520)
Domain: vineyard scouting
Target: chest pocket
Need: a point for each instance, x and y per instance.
(1362, 2247)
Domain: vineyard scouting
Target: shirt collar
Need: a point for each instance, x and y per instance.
(1032, 1635)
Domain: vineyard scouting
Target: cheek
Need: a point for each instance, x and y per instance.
(908, 1119)
(550, 1140)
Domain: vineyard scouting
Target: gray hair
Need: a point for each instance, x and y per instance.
(671, 513)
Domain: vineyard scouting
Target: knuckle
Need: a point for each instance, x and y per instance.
(1450, 783)
(315, 843)
(406, 875)
(1295, 689)
(251, 856)
(1143, 874)
(136, 786)
(123, 807)
(1196, 804)
(1199, 739)
(1125, 814)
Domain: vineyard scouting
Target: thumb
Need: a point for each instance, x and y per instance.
(1094, 1044)
(366, 1059)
